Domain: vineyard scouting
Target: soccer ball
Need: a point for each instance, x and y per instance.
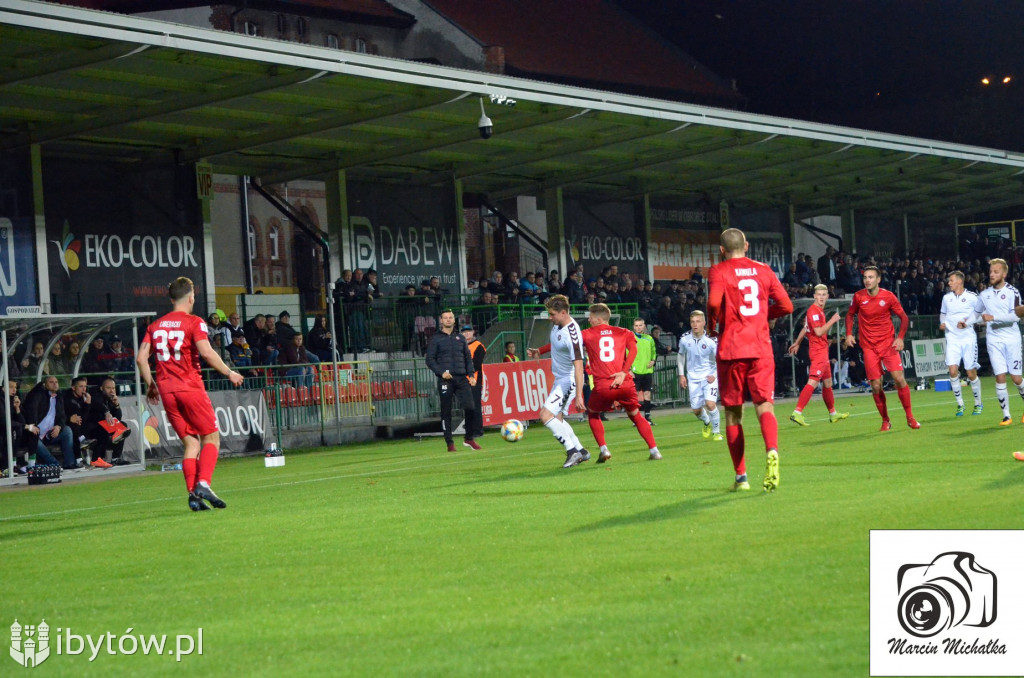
(512, 430)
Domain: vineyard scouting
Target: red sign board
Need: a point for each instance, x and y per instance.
(515, 391)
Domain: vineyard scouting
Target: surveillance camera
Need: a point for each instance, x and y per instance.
(486, 127)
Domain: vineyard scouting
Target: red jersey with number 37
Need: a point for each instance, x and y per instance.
(173, 338)
(610, 349)
(739, 290)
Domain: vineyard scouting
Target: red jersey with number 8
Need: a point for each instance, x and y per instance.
(173, 338)
(738, 306)
(610, 350)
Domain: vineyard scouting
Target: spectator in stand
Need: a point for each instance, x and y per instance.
(293, 357)
(106, 408)
(407, 307)
(827, 266)
(812, 277)
(668, 317)
(802, 271)
(435, 287)
(511, 286)
(74, 351)
(627, 293)
(528, 289)
(215, 325)
(573, 288)
(31, 362)
(849, 276)
(92, 364)
(116, 360)
(45, 424)
(484, 314)
(239, 352)
(510, 353)
(496, 285)
(612, 295)
(57, 363)
(254, 330)
(318, 339)
(792, 277)
(554, 283)
(471, 287)
(285, 331)
(697, 276)
(269, 348)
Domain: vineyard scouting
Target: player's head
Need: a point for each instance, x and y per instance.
(997, 270)
(956, 281)
(871, 277)
(733, 243)
(639, 326)
(820, 295)
(558, 309)
(599, 314)
(697, 321)
(182, 292)
(447, 319)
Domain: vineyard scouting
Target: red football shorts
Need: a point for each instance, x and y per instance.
(189, 412)
(875, 359)
(821, 368)
(603, 399)
(752, 378)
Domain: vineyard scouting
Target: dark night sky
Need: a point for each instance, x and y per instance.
(902, 66)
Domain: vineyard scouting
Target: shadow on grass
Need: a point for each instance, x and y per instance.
(1013, 478)
(709, 500)
(103, 518)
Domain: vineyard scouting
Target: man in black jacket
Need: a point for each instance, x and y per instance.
(77, 404)
(106, 407)
(448, 357)
(45, 423)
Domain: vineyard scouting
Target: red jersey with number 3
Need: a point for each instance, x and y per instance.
(173, 338)
(817, 346)
(610, 349)
(739, 290)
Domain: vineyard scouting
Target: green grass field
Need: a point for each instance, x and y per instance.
(400, 559)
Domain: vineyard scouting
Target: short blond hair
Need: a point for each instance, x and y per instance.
(733, 240)
(696, 313)
(1001, 262)
(601, 311)
(821, 288)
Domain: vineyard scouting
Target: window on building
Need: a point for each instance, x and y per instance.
(253, 240)
(300, 27)
(275, 243)
(252, 28)
(332, 41)
(361, 45)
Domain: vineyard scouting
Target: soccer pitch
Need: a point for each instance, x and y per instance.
(398, 558)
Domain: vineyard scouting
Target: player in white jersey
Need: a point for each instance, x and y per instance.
(957, 319)
(566, 347)
(996, 305)
(698, 369)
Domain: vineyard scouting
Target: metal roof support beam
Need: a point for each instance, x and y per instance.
(1009, 202)
(68, 61)
(470, 134)
(276, 133)
(973, 197)
(161, 108)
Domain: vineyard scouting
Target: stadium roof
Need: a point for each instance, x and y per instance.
(91, 84)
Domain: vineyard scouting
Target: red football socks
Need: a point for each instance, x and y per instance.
(644, 428)
(904, 394)
(830, 399)
(207, 461)
(734, 438)
(190, 467)
(805, 397)
(880, 404)
(596, 427)
(769, 430)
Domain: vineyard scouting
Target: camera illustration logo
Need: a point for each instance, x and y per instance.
(950, 591)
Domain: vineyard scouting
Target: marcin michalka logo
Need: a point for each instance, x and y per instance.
(67, 249)
(30, 645)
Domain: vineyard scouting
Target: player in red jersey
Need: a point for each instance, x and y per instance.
(178, 340)
(874, 308)
(816, 330)
(610, 353)
(739, 309)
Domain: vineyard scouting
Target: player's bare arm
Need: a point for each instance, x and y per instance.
(795, 346)
(214, 360)
(578, 368)
(142, 360)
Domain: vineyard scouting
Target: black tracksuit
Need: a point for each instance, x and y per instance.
(450, 353)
